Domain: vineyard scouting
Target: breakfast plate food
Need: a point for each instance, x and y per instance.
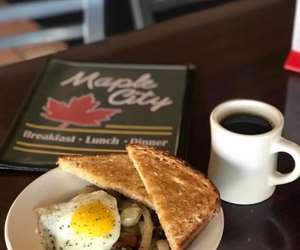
(26, 217)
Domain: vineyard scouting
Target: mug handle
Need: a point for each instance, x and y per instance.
(284, 145)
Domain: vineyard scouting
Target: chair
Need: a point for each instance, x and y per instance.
(90, 30)
(143, 10)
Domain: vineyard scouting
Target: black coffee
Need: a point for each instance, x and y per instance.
(247, 124)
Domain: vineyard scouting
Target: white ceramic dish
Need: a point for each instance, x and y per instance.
(57, 186)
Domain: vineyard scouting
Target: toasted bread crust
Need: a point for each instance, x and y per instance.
(184, 200)
(113, 171)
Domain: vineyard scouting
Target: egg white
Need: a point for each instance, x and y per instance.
(56, 227)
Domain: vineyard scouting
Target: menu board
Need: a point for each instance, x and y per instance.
(96, 108)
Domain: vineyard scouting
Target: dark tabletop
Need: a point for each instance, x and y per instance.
(239, 50)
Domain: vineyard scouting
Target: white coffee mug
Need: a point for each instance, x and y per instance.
(244, 167)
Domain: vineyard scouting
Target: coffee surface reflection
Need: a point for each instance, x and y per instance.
(247, 124)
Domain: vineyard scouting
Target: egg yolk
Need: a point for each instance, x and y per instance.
(93, 219)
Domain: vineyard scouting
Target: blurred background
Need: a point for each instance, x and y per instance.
(33, 28)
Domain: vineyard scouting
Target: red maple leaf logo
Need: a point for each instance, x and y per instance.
(81, 111)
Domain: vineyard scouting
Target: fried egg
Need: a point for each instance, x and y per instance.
(88, 221)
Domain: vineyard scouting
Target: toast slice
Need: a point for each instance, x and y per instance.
(114, 171)
(184, 200)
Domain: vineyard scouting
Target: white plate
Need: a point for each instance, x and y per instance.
(57, 186)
